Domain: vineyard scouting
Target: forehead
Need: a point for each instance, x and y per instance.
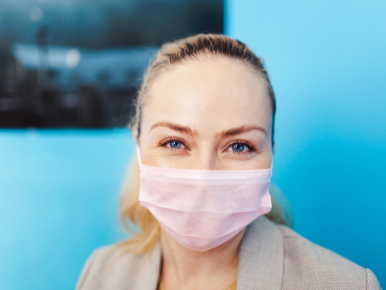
(216, 92)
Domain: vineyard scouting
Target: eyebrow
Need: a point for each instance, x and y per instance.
(242, 129)
(227, 133)
(175, 127)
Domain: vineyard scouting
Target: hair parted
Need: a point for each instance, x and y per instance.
(194, 48)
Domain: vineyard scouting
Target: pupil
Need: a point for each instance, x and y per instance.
(175, 144)
(238, 147)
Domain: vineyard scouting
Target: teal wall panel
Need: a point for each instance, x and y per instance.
(58, 202)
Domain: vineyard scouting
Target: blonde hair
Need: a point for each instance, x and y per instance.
(170, 54)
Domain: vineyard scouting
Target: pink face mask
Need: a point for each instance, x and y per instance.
(202, 209)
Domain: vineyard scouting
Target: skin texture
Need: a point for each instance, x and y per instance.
(211, 114)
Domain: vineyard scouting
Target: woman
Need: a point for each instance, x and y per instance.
(204, 129)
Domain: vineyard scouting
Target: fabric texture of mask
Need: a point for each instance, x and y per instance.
(202, 209)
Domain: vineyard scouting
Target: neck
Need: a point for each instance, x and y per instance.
(183, 268)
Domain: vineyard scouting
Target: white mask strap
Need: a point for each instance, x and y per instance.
(138, 156)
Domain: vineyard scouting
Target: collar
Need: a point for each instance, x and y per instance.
(261, 257)
(261, 260)
(148, 273)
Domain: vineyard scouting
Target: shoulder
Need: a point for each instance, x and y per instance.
(104, 267)
(309, 266)
(113, 268)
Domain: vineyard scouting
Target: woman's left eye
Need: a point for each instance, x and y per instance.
(239, 148)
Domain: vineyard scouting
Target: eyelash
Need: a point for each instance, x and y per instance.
(250, 146)
(163, 143)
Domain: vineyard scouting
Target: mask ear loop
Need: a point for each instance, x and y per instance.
(138, 156)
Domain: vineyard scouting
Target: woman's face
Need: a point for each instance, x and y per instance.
(212, 114)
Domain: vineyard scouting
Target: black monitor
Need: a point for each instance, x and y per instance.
(78, 63)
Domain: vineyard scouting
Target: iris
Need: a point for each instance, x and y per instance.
(238, 147)
(175, 144)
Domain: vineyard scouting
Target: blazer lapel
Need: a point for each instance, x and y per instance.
(148, 276)
(261, 257)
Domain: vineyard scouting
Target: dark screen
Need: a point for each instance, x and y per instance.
(79, 63)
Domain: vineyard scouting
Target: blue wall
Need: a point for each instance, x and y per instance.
(327, 61)
(58, 202)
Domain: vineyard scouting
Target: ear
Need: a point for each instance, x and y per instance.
(136, 137)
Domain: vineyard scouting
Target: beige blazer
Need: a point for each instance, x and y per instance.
(272, 257)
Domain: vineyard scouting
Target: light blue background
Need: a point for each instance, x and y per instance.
(327, 61)
(58, 202)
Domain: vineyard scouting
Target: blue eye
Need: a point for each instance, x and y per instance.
(237, 147)
(175, 144)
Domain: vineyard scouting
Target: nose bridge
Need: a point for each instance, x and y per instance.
(207, 158)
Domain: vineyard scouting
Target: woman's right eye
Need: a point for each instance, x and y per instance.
(173, 144)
